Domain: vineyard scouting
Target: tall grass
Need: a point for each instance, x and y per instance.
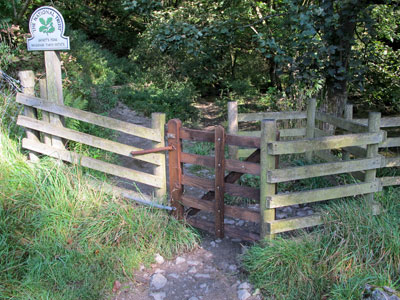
(61, 240)
(335, 262)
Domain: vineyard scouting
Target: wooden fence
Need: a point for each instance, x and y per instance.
(44, 143)
(313, 142)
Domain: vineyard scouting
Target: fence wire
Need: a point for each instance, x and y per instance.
(9, 109)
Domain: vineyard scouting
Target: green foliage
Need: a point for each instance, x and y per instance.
(61, 240)
(336, 261)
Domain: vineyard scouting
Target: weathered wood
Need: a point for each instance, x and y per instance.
(390, 142)
(158, 124)
(45, 114)
(219, 184)
(88, 139)
(291, 132)
(374, 124)
(230, 211)
(386, 122)
(243, 141)
(285, 115)
(324, 143)
(230, 164)
(27, 79)
(230, 230)
(197, 135)
(268, 163)
(106, 122)
(348, 115)
(324, 169)
(242, 191)
(311, 110)
(390, 162)
(316, 195)
(283, 225)
(388, 181)
(233, 126)
(52, 62)
(175, 167)
(348, 125)
(92, 163)
(201, 183)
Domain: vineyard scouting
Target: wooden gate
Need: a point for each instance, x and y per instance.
(216, 188)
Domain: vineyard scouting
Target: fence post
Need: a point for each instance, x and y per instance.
(267, 161)
(233, 126)
(158, 123)
(219, 141)
(54, 90)
(310, 129)
(27, 79)
(45, 114)
(175, 166)
(348, 115)
(374, 124)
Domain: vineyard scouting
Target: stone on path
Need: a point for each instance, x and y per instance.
(179, 260)
(158, 296)
(159, 259)
(158, 281)
(243, 294)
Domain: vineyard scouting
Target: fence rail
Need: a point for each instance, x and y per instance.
(155, 134)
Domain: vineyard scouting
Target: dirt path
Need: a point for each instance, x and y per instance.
(210, 272)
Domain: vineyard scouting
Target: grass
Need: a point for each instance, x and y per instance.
(61, 240)
(352, 249)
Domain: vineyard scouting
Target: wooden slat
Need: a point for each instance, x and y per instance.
(242, 191)
(230, 164)
(285, 115)
(302, 172)
(348, 125)
(230, 230)
(195, 159)
(230, 211)
(175, 167)
(219, 184)
(385, 122)
(388, 181)
(243, 141)
(291, 132)
(197, 135)
(92, 163)
(70, 112)
(324, 143)
(283, 225)
(389, 162)
(390, 142)
(201, 183)
(87, 139)
(336, 192)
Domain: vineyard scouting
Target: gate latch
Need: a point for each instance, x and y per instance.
(154, 150)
